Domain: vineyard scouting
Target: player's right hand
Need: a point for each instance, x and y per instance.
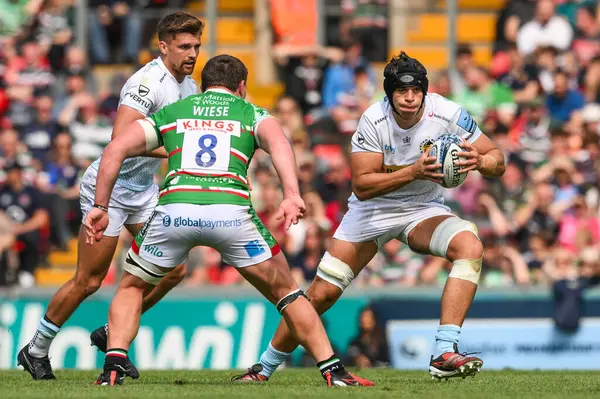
(292, 209)
(95, 223)
(426, 168)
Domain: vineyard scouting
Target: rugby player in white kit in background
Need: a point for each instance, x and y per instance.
(161, 82)
(397, 195)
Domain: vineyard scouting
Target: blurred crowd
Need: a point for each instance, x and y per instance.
(539, 99)
(54, 119)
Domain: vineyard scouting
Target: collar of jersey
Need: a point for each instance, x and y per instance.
(217, 90)
(162, 66)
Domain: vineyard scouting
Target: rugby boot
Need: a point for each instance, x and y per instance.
(251, 375)
(454, 364)
(337, 379)
(38, 367)
(111, 376)
(99, 338)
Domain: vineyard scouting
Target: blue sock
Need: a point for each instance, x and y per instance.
(40, 344)
(271, 359)
(446, 337)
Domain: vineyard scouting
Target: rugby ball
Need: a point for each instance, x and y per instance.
(446, 149)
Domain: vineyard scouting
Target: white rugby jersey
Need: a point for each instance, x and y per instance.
(147, 91)
(378, 132)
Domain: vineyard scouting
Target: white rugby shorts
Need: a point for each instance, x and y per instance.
(233, 230)
(126, 206)
(382, 220)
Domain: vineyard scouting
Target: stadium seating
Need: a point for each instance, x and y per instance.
(436, 56)
(427, 34)
(474, 4)
(470, 28)
(226, 6)
(63, 266)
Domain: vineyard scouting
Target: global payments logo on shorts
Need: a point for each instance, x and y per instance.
(180, 221)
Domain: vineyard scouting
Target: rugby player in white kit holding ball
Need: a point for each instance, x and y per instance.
(397, 194)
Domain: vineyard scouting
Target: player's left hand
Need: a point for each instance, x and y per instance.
(474, 158)
(95, 223)
(292, 209)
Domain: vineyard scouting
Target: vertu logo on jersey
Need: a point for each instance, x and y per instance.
(389, 148)
(143, 91)
(139, 100)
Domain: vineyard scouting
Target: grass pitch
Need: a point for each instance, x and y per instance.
(306, 383)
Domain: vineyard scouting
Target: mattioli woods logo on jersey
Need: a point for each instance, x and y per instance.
(203, 125)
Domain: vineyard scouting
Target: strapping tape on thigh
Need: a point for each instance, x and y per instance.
(143, 269)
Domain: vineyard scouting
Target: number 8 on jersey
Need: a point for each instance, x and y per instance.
(207, 144)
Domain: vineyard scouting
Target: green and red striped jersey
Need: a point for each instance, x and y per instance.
(210, 139)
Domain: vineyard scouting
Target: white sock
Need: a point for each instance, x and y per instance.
(40, 344)
(271, 359)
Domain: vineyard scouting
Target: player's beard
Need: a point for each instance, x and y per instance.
(187, 67)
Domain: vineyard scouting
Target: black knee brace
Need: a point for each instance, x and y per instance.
(289, 298)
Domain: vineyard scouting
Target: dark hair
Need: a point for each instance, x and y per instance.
(360, 70)
(224, 70)
(560, 71)
(590, 9)
(464, 49)
(351, 41)
(544, 49)
(178, 22)
(377, 332)
(590, 138)
(556, 130)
